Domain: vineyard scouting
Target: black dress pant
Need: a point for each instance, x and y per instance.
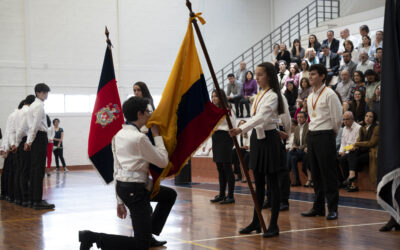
(246, 103)
(293, 158)
(344, 164)
(4, 177)
(236, 101)
(24, 161)
(12, 162)
(137, 199)
(357, 159)
(38, 164)
(58, 154)
(225, 176)
(322, 158)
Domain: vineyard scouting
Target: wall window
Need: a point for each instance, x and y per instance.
(54, 103)
(61, 103)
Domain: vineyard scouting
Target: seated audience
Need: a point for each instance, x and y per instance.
(364, 64)
(349, 46)
(345, 85)
(365, 45)
(291, 97)
(331, 62)
(311, 57)
(331, 42)
(378, 43)
(304, 69)
(364, 152)
(283, 73)
(344, 35)
(358, 106)
(359, 80)
(282, 55)
(241, 72)
(234, 92)
(244, 144)
(302, 107)
(249, 89)
(378, 61)
(305, 89)
(374, 103)
(293, 75)
(364, 31)
(313, 43)
(347, 64)
(371, 84)
(274, 54)
(297, 53)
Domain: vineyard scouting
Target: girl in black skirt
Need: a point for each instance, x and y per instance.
(265, 153)
(222, 155)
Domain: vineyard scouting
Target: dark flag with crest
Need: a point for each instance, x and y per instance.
(107, 120)
(388, 193)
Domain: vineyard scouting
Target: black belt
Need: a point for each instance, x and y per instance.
(41, 132)
(320, 132)
(131, 184)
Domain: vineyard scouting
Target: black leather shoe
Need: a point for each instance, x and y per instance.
(250, 228)
(313, 213)
(218, 198)
(284, 207)
(266, 204)
(390, 225)
(227, 200)
(332, 215)
(157, 243)
(18, 202)
(42, 205)
(87, 238)
(271, 232)
(26, 203)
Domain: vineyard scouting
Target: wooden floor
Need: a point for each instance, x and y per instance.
(84, 202)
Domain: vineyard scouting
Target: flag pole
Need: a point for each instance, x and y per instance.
(224, 106)
(109, 45)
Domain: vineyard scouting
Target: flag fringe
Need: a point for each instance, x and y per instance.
(395, 177)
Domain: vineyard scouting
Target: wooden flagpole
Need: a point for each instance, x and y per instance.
(224, 106)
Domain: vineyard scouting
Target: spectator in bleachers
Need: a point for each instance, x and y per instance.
(365, 45)
(293, 74)
(305, 89)
(241, 73)
(344, 35)
(249, 89)
(302, 108)
(283, 73)
(283, 55)
(347, 64)
(374, 103)
(330, 61)
(291, 96)
(297, 53)
(378, 43)
(364, 64)
(364, 152)
(349, 46)
(234, 92)
(244, 144)
(313, 43)
(275, 52)
(358, 78)
(364, 31)
(311, 57)
(331, 42)
(349, 137)
(357, 106)
(299, 147)
(378, 61)
(345, 85)
(373, 81)
(304, 70)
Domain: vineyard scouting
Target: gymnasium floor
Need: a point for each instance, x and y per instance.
(83, 201)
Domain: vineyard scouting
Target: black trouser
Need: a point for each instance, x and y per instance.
(273, 187)
(225, 176)
(322, 158)
(38, 164)
(4, 177)
(357, 159)
(137, 199)
(293, 158)
(246, 103)
(58, 153)
(344, 163)
(25, 169)
(236, 101)
(236, 161)
(11, 175)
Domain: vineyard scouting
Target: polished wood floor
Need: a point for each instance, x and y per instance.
(83, 201)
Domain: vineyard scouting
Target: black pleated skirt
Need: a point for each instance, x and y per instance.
(222, 145)
(266, 155)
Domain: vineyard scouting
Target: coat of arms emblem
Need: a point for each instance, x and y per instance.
(107, 114)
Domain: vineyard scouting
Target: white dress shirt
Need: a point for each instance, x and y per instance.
(133, 151)
(349, 136)
(9, 133)
(36, 118)
(328, 61)
(282, 78)
(328, 111)
(266, 114)
(284, 119)
(301, 126)
(21, 124)
(343, 88)
(365, 66)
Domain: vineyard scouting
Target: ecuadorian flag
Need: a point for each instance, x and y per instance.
(185, 115)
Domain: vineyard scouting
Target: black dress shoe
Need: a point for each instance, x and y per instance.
(313, 213)
(390, 225)
(26, 203)
(42, 205)
(266, 204)
(218, 198)
(271, 232)
(250, 228)
(87, 238)
(284, 207)
(18, 202)
(332, 215)
(157, 243)
(227, 200)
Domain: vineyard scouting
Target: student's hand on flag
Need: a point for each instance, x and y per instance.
(155, 130)
(234, 132)
(121, 211)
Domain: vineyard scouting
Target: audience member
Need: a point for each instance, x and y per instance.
(234, 92)
(330, 61)
(365, 45)
(305, 88)
(331, 42)
(378, 43)
(241, 72)
(373, 81)
(249, 89)
(349, 46)
(302, 108)
(358, 106)
(364, 31)
(311, 57)
(313, 43)
(374, 103)
(283, 55)
(344, 35)
(297, 53)
(378, 61)
(359, 80)
(304, 70)
(364, 64)
(274, 54)
(347, 64)
(293, 75)
(291, 96)
(283, 73)
(345, 85)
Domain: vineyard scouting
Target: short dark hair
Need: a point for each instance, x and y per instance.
(56, 119)
(21, 104)
(231, 75)
(282, 61)
(379, 49)
(333, 33)
(364, 28)
(304, 113)
(370, 72)
(361, 74)
(324, 46)
(41, 87)
(132, 106)
(320, 69)
(29, 99)
(347, 52)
